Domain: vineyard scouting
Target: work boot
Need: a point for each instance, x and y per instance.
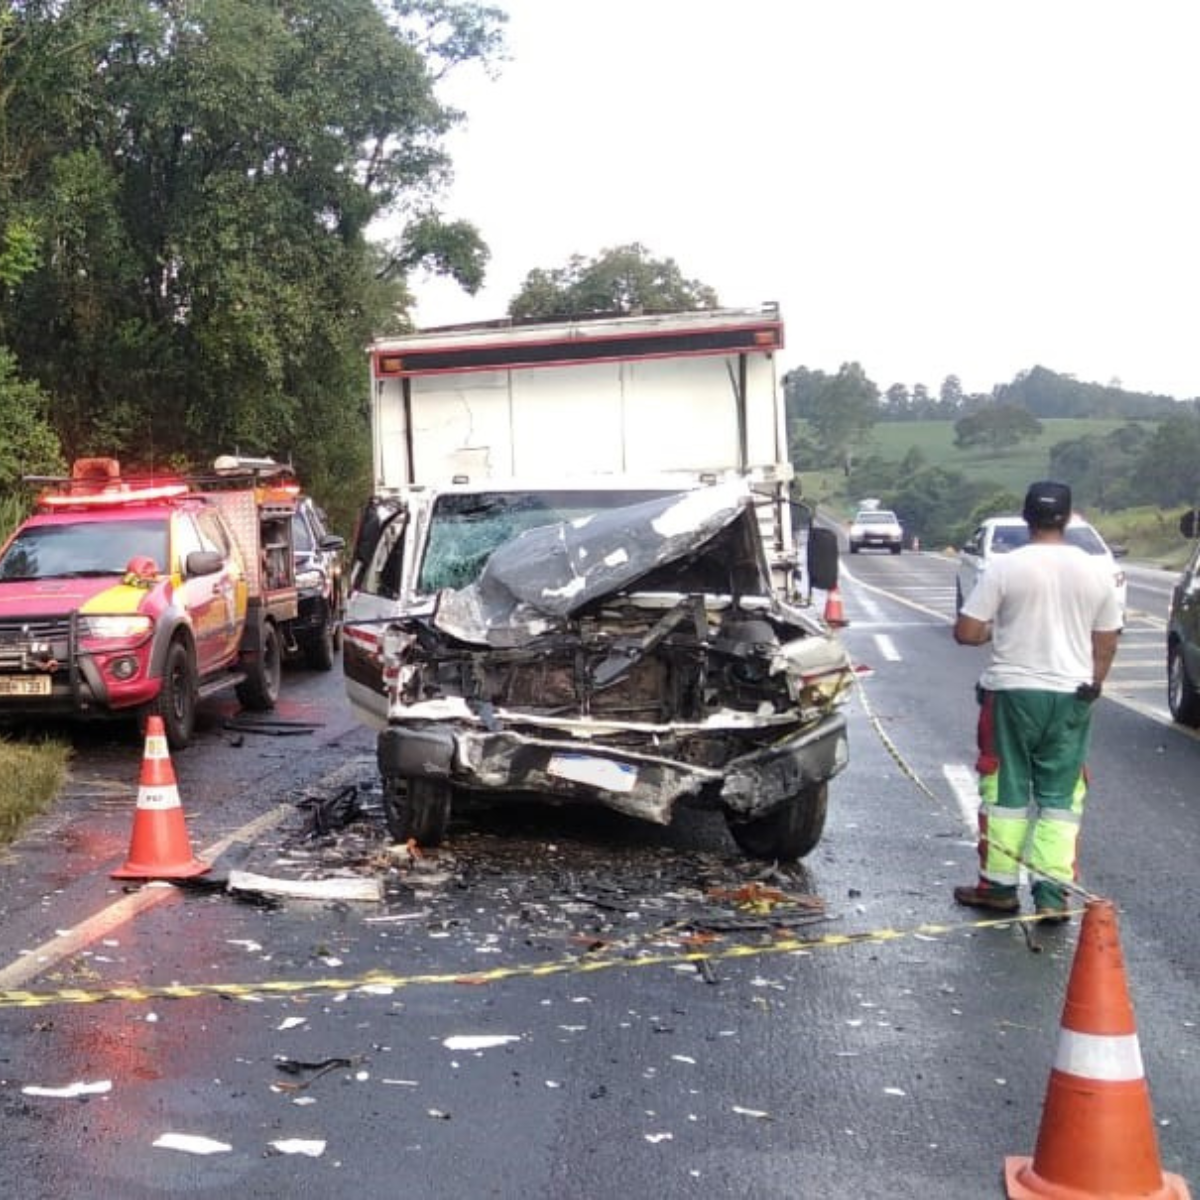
(1050, 902)
(988, 896)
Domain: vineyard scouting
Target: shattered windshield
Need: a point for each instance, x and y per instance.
(465, 529)
(83, 548)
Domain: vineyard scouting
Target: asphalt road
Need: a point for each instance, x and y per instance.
(848, 1031)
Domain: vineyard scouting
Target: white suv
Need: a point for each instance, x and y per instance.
(875, 527)
(999, 535)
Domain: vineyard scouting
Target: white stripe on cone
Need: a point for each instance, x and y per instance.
(1109, 1059)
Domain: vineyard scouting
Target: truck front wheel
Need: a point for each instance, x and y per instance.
(320, 651)
(417, 809)
(176, 699)
(788, 832)
(260, 689)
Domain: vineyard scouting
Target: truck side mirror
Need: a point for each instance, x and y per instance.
(203, 562)
(822, 558)
(1188, 523)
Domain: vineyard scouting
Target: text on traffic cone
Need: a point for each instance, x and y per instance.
(160, 847)
(1096, 1139)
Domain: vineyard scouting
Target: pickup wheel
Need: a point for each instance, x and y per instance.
(787, 832)
(176, 699)
(417, 809)
(1182, 698)
(320, 652)
(260, 689)
(896, 549)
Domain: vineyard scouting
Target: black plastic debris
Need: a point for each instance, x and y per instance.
(327, 814)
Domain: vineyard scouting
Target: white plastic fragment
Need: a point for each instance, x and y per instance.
(313, 1149)
(334, 888)
(894, 1091)
(751, 1112)
(190, 1143)
(71, 1090)
(479, 1041)
(290, 1023)
(655, 1138)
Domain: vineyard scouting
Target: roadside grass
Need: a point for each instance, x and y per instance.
(31, 774)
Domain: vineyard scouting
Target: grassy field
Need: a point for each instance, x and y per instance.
(30, 775)
(1012, 469)
(1150, 535)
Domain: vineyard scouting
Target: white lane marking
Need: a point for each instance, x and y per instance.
(965, 786)
(41, 958)
(887, 648)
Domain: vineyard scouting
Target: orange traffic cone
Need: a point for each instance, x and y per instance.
(1097, 1134)
(834, 613)
(159, 848)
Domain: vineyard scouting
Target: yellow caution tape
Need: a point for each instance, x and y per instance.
(572, 966)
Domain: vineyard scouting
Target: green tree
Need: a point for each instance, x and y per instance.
(29, 445)
(997, 427)
(841, 410)
(623, 279)
(203, 178)
(1168, 470)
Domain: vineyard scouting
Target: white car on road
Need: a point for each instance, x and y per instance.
(875, 527)
(999, 535)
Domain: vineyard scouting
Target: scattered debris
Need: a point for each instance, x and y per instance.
(71, 1091)
(757, 1113)
(330, 888)
(245, 724)
(479, 1041)
(191, 1144)
(327, 814)
(295, 1066)
(313, 1149)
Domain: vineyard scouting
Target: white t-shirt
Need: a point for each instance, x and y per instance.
(1044, 600)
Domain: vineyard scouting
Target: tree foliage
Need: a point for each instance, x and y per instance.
(623, 279)
(840, 410)
(997, 427)
(29, 445)
(185, 195)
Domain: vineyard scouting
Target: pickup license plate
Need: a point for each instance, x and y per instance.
(24, 685)
(598, 772)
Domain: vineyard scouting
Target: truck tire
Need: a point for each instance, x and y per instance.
(175, 703)
(320, 651)
(788, 832)
(1182, 697)
(417, 809)
(896, 549)
(260, 689)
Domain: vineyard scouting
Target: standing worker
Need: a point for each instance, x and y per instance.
(1053, 621)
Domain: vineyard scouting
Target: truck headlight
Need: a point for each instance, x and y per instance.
(311, 581)
(123, 630)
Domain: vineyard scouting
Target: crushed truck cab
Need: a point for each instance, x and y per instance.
(131, 596)
(613, 619)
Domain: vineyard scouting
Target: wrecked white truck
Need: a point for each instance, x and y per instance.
(598, 640)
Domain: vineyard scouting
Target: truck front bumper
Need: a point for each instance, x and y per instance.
(638, 784)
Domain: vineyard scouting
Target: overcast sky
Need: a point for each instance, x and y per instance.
(926, 187)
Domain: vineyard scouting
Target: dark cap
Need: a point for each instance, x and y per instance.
(1047, 504)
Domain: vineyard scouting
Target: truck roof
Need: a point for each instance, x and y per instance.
(496, 345)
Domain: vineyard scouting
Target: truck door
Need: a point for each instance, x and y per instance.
(378, 585)
(216, 603)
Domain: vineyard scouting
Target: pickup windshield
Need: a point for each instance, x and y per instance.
(84, 548)
(465, 529)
